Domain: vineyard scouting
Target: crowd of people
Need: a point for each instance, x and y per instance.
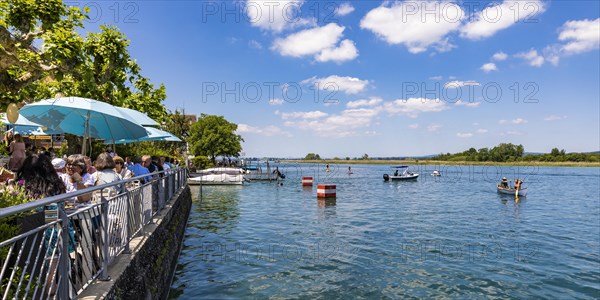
(44, 175)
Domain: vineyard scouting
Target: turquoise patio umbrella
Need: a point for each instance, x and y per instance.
(138, 117)
(153, 135)
(22, 121)
(83, 117)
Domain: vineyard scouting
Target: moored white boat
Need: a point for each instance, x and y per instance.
(509, 191)
(436, 173)
(228, 171)
(217, 179)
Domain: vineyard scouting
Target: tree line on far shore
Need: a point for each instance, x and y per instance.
(507, 152)
(504, 152)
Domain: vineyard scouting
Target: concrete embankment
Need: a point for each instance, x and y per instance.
(147, 271)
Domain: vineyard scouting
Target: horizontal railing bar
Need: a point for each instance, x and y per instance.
(12, 210)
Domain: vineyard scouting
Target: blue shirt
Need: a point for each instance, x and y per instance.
(139, 170)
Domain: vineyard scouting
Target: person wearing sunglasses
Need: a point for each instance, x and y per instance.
(76, 177)
(120, 167)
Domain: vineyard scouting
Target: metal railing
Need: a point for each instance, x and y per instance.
(65, 249)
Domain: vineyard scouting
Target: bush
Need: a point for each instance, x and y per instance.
(201, 162)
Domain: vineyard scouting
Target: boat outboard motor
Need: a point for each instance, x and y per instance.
(386, 177)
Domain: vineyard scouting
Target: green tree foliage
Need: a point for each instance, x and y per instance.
(201, 162)
(365, 157)
(178, 124)
(98, 66)
(23, 66)
(312, 156)
(507, 152)
(214, 136)
(501, 153)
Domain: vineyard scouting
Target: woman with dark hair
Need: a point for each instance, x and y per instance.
(105, 172)
(41, 180)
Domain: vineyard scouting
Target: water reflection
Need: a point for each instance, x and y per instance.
(219, 208)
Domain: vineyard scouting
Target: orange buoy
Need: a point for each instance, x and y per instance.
(326, 191)
(307, 181)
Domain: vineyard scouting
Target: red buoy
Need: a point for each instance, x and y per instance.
(307, 181)
(326, 191)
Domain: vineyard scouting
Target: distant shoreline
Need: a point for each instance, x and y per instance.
(440, 162)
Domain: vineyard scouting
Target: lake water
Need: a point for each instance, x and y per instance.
(444, 237)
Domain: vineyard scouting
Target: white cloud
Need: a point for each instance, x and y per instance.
(499, 56)
(552, 54)
(554, 118)
(254, 44)
(266, 131)
(303, 115)
(489, 67)
(346, 51)
(412, 107)
(433, 127)
(515, 121)
(348, 85)
(464, 135)
(345, 124)
(413, 126)
(276, 101)
(373, 101)
(458, 84)
(467, 104)
(481, 130)
(494, 18)
(320, 42)
(344, 9)
(581, 36)
(416, 25)
(532, 57)
(276, 16)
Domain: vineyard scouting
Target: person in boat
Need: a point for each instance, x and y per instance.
(504, 183)
(327, 168)
(518, 183)
(349, 170)
(396, 173)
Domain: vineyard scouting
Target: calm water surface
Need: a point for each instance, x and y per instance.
(444, 237)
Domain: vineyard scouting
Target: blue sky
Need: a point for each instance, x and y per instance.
(392, 78)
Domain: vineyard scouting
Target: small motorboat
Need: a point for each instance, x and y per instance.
(401, 173)
(436, 173)
(509, 191)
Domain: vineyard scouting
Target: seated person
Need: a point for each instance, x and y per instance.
(76, 177)
(396, 173)
(504, 183)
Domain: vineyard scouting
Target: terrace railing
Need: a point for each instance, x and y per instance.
(69, 247)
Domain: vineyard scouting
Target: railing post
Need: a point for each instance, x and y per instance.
(63, 263)
(127, 218)
(104, 227)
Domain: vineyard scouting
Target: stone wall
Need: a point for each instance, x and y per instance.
(147, 272)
